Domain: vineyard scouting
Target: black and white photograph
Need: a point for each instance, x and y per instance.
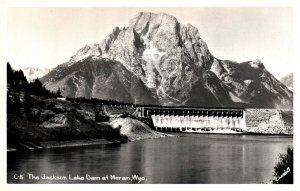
(149, 95)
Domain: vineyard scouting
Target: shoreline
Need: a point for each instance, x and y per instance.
(78, 143)
(65, 144)
(92, 142)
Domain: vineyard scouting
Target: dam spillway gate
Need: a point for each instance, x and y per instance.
(195, 119)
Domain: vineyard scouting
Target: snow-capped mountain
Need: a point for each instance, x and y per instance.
(168, 63)
(288, 81)
(31, 73)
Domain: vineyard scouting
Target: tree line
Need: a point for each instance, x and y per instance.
(17, 82)
(97, 101)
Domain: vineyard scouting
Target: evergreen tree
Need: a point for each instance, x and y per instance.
(58, 93)
(9, 73)
(28, 103)
(283, 171)
(9, 104)
(16, 82)
(16, 107)
(36, 88)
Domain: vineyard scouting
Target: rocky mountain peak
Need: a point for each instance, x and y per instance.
(143, 19)
(172, 64)
(85, 52)
(109, 39)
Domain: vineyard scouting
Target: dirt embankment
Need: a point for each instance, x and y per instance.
(35, 122)
(269, 121)
(134, 129)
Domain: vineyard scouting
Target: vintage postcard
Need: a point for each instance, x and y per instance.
(99, 95)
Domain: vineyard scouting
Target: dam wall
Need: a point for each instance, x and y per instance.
(256, 121)
(195, 119)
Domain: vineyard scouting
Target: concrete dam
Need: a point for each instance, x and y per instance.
(195, 119)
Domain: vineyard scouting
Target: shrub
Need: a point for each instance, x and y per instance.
(283, 170)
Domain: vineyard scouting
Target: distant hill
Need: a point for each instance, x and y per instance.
(31, 73)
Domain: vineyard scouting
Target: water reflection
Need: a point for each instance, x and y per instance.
(189, 159)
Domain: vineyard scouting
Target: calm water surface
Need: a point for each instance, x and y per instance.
(192, 158)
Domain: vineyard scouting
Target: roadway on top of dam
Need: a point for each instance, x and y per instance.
(185, 111)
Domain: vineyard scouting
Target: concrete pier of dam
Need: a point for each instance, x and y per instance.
(194, 119)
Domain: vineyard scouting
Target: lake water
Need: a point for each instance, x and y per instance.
(191, 158)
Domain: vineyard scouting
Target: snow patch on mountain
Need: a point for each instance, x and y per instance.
(152, 56)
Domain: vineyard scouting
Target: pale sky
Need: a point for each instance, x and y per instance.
(47, 37)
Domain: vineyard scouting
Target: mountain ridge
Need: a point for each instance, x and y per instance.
(175, 67)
